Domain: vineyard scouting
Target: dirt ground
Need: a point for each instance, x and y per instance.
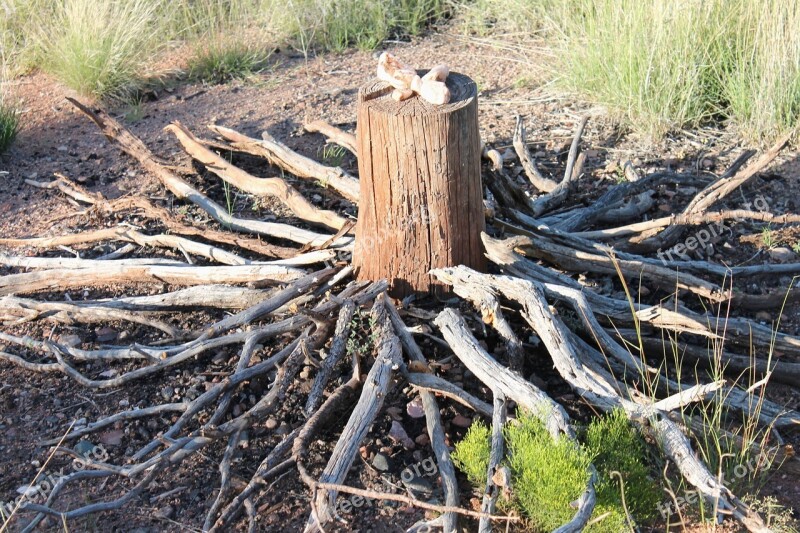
(56, 139)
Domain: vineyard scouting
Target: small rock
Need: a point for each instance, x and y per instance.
(167, 392)
(764, 316)
(364, 452)
(782, 254)
(461, 421)
(165, 512)
(70, 340)
(110, 373)
(395, 413)
(84, 447)
(398, 434)
(124, 403)
(112, 438)
(237, 410)
(423, 440)
(105, 334)
(80, 422)
(219, 358)
(380, 462)
(63, 148)
(414, 408)
(271, 423)
(707, 164)
(416, 483)
(538, 382)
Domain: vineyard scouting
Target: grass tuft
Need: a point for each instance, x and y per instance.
(9, 124)
(100, 47)
(661, 64)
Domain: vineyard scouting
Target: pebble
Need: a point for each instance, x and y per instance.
(782, 254)
(112, 438)
(167, 392)
(271, 423)
(380, 462)
(422, 440)
(461, 421)
(70, 340)
(414, 408)
(418, 484)
(105, 334)
(764, 316)
(395, 413)
(538, 382)
(165, 512)
(398, 434)
(84, 447)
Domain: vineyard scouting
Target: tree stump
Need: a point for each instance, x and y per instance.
(421, 199)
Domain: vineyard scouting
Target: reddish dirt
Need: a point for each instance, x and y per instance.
(56, 139)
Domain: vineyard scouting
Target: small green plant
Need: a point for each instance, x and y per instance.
(548, 475)
(9, 123)
(617, 447)
(230, 199)
(362, 337)
(778, 518)
(224, 58)
(767, 237)
(333, 155)
(796, 247)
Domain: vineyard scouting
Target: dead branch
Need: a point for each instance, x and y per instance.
(388, 358)
(134, 147)
(274, 187)
(496, 455)
(537, 180)
(282, 156)
(334, 134)
(106, 272)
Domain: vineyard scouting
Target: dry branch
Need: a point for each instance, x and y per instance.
(275, 187)
(107, 273)
(134, 147)
(376, 386)
(282, 156)
(334, 134)
(535, 177)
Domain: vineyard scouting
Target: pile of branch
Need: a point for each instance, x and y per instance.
(602, 345)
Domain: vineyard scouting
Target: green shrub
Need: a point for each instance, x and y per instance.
(471, 454)
(616, 446)
(547, 476)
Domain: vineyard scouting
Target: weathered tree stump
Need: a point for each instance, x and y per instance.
(421, 202)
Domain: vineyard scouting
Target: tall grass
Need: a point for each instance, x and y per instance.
(9, 114)
(102, 48)
(665, 64)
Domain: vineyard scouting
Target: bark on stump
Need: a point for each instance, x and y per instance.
(421, 202)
